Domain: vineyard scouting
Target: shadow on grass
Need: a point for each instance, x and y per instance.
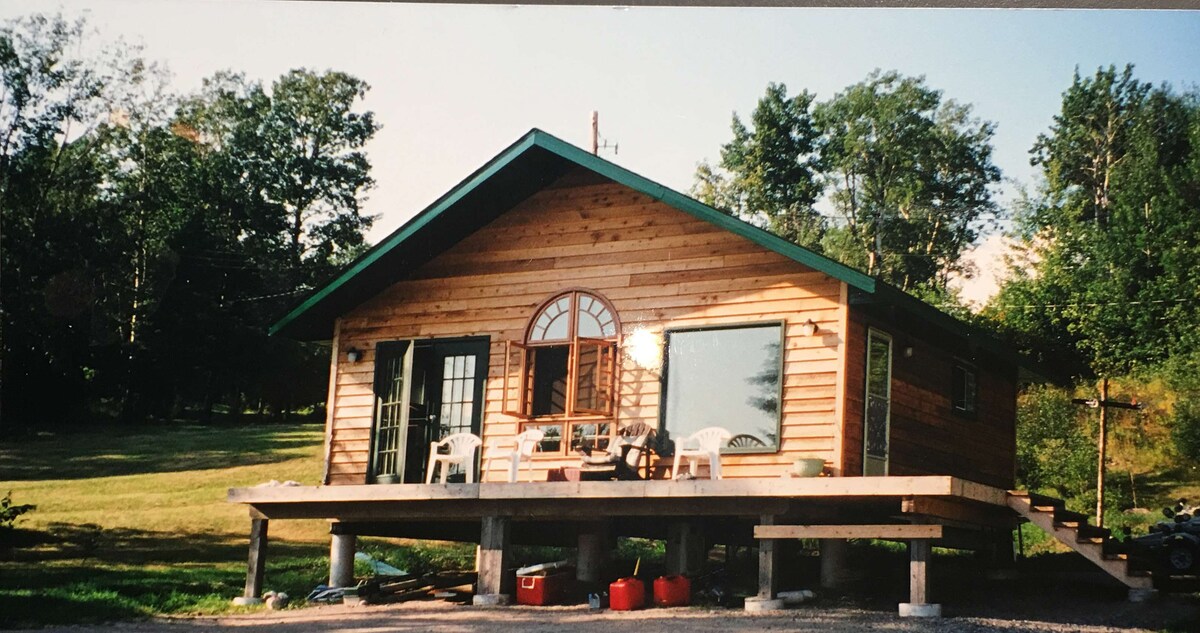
(129, 451)
(83, 575)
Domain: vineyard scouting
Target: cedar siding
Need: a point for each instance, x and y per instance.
(927, 435)
(659, 267)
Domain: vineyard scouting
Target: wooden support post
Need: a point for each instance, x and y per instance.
(593, 552)
(341, 560)
(256, 565)
(494, 586)
(768, 573)
(685, 548)
(918, 582)
(833, 562)
(768, 564)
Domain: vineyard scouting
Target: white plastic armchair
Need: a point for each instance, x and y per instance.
(461, 451)
(513, 451)
(703, 444)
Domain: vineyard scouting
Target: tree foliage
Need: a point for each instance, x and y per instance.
(149, 238)
(911, 176)
(1109, 262)
(1056, 447)
(907, 174)
(771, 172)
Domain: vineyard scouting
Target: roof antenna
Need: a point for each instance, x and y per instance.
(596, 144)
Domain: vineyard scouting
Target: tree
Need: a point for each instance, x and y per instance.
(770, 174)
(149, 240)
(911, 176)
(60, 244)
(295, 151)
(1111, 261)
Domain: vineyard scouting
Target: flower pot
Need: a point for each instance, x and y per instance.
(807, 467)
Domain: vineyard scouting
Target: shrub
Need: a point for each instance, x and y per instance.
(1056, 447)
(1185, 427)
(9, 513)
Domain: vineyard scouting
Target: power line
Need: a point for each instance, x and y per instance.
(1104, 304)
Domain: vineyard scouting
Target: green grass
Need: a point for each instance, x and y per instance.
(171, 479)
(132, 523)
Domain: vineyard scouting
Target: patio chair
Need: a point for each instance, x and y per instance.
(622, 459)
(703, 444)
(514, 450)
(460, 451)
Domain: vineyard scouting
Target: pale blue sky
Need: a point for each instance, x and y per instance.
(452, 84)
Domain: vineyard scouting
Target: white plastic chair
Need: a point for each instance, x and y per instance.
(703, 444)
(461, 452)
(514, 450)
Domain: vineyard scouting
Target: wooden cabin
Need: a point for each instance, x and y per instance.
(555, 290)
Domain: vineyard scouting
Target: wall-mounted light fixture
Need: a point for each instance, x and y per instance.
(808, 328)
(908, 351)
(645, 349)
(354, 354)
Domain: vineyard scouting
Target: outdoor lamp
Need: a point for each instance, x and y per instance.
(808, 328)
(354, 354)
(644, 348)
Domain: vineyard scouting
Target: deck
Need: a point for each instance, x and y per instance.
(924, 511)
(815, 500)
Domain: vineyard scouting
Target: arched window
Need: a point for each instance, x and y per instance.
(572, 315)
(566, 369)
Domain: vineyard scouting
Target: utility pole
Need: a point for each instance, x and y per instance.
(1102, 461)
(1103, 452)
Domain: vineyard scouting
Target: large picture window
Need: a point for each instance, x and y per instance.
(728, 377)
(566, 368)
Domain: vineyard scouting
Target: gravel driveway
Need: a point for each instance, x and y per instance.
(1181, 614)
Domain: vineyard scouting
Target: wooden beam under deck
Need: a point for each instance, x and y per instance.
(886, 532)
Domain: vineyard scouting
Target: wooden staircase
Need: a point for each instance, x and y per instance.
(1073, 530)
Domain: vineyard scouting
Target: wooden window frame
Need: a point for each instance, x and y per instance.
(970, 412)
(664, 386)
(517, 360)
(891, 379)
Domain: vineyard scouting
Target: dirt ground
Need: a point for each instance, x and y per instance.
(1010, 609)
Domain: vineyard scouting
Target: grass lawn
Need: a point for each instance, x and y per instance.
(133, 522)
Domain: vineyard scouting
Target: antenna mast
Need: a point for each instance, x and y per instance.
(596, 144)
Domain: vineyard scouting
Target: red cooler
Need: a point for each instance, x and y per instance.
(543, 587)
(672, 591)
(626, 594)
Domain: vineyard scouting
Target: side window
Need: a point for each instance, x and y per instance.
(964, 388)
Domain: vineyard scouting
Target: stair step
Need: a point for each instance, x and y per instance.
(1038, 501)
(1091, 531)
(1063, 515)
(1116, 557)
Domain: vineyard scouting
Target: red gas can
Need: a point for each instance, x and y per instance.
(672, 591)
(627, 594)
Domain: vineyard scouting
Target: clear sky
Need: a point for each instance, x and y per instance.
(453, 84)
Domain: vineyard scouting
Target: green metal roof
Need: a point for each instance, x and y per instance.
(526, 166)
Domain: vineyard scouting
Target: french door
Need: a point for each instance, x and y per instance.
(424, 391)
(877, 419)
